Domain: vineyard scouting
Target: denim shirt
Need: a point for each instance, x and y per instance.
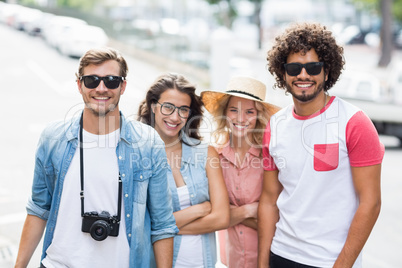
(142, 165)
(194, 174)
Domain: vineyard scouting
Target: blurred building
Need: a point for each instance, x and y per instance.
(326, 11)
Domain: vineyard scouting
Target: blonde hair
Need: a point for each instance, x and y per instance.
(221, 136)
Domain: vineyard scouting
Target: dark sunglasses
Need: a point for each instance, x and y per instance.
(93, 81)
(168, 108)
(312, 68)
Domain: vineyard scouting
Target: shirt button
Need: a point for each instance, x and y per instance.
(126, 195)
(241, 232)
(123, 175)
(141, 177)
(237, 188)
(128, 215)
(192, 196)
(120, 157)
(129, 235)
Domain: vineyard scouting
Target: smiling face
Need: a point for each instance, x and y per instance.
(169, 126)
(241, 117)
(101, 101)
(304, 87)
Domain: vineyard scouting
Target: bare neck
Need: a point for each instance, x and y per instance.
(241, 145)
(101, 125)
(311, 107)
(172, 144)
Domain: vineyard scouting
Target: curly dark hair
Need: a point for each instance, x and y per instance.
(301, 38)
(179, 82)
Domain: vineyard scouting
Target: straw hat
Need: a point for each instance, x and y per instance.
(239, 86)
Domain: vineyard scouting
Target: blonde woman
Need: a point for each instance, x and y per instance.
(199, 195)
(241, 116)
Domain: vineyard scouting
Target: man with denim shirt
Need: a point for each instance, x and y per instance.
(70, 182)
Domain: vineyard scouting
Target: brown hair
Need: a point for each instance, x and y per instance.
(98, 56)
(301, 38)
(179, 82)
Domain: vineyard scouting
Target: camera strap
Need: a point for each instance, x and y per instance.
(82, 173)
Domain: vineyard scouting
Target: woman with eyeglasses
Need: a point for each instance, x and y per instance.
(241, 115)
(200, 199)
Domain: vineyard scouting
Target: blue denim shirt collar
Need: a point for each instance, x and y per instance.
(187, 148)
(125, 133)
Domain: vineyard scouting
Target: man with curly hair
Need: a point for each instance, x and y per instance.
(322, 159)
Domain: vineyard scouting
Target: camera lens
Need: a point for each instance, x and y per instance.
(100, 230)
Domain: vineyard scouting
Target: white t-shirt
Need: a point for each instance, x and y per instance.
(70, 246)
(313, 155)
(190, 253)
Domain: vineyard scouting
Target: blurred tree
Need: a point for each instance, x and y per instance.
(86, 5)
(27, 2)
(257, 19)
(387, 9)
(386, 33)
(397, 10)
(228, 13)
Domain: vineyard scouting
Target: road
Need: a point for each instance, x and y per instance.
(38, 86)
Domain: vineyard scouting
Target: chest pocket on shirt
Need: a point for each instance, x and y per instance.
(326, 156)
(140, 187)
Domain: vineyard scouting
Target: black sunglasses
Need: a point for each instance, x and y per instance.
(110, 81)
(312, 68)
(168, 108)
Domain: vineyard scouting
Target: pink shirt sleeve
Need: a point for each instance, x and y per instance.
(268, 161)
(364, 146)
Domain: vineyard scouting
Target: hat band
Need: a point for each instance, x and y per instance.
(244, 93)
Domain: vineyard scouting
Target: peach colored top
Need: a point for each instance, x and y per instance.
(239, 245)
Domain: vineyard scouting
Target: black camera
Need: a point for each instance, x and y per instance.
(101, 225)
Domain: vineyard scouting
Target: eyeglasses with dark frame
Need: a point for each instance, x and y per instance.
(168, 108)
(295, 68)
(93, 81)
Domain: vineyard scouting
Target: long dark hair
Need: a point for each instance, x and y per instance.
(180, 83)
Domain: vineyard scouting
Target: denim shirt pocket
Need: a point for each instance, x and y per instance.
(51, 175)
(140, 185)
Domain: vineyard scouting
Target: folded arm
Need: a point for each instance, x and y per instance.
(219, 216)
(190, 214)
(246, 215)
